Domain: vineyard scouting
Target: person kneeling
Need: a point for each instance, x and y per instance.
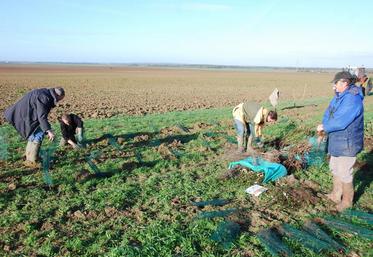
(72, 130)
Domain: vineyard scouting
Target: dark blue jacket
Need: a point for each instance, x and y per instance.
(344, 123)
(31, 111)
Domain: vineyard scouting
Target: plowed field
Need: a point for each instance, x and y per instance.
(103, 91)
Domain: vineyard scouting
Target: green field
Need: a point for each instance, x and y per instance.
(157, 166)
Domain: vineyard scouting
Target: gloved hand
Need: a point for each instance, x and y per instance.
(79, 135)
(80, 145)
(259, 142)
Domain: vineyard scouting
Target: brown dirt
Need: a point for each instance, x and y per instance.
(102, 91)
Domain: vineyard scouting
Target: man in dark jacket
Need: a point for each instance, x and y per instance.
(343, 121)
(71, 125)
(29, 116)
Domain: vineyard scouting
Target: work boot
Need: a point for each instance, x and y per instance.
(347, 196)
(336, 194)
(32, 157)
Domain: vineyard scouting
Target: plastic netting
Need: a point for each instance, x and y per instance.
(316, 156)
(305, 238)
(46, 155)
(348, 227)
(273, 244)
(90, 159)
(226, 233)
(182, 128)
(113, 142)
(3, 145)
(213, 202)
(314, 230)
(216, 214)
(366, 217)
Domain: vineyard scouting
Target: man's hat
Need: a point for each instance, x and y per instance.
(342, 75)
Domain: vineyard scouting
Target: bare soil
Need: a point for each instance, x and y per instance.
(104, 91)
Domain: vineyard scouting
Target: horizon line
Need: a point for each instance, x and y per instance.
(176, 65)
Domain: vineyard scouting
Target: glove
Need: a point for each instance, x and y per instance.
(259, 143)
(79, 135)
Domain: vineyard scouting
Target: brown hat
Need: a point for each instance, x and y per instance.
(342, 75)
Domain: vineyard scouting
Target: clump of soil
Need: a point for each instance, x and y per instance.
(141, 138)
(165, 152)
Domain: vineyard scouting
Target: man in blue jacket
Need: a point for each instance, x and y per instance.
(29, 116)
(343, 121)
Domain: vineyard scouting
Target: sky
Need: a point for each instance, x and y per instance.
(300, 33)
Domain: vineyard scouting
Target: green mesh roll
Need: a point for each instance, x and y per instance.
(315, 231)
(273, 244)
(226, 233)
(216, 214)
(305, 239)
(213, 202)
(348, 227)
(367, 217)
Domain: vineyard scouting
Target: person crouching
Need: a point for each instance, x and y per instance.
(72, 130)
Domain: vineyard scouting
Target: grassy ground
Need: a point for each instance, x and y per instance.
(141, 204)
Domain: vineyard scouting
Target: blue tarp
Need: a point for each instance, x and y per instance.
(272, 171)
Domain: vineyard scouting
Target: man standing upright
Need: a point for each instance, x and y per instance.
(343, 121)
(29, 116)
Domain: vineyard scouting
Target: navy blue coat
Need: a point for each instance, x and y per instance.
(344, 123)
(31, 111)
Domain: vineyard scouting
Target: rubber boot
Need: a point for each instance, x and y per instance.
(249, 147)
(336, 194)
(32, 157)
(62, 142)
(28, 150)
(240, 145)
(347, 196)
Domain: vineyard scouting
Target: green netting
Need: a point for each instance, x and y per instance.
(367, 217)
(314, 230)
(113, 142)
(176, 153)
(216, 214)
(305, 238)
(91, 165)
(316, 156)
(3, 145)
(226, 233)
(182, 128)
(138, 157)
(348, 227)
(46, 156)
(273, 244)
(213, 202)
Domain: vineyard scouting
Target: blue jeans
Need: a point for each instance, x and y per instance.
(37, 136)
(241, 128)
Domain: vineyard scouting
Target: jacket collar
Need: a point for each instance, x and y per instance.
(53, 94)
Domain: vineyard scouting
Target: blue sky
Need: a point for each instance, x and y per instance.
(267, 33)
